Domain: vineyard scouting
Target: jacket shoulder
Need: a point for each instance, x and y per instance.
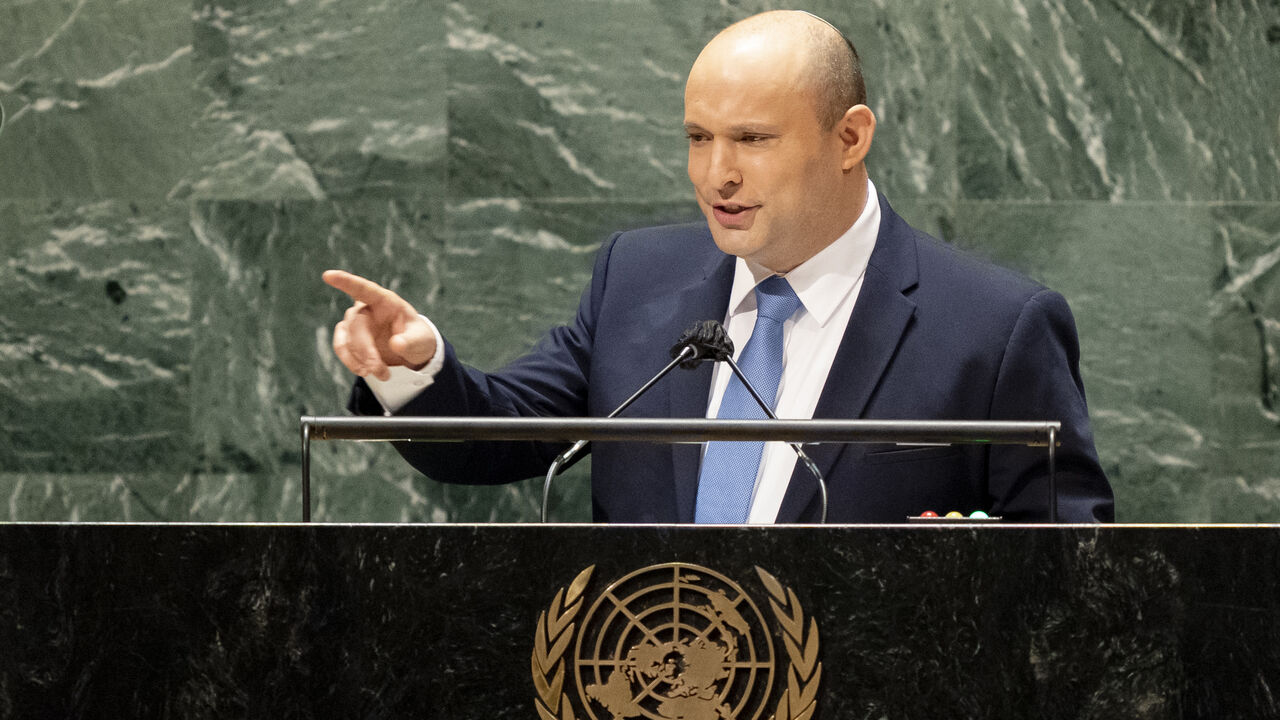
(684, 238)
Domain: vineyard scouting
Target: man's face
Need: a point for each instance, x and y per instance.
(766, 174)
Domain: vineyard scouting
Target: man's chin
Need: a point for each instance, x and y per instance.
(740, 243)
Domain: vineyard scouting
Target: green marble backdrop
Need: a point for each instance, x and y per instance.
(173, 180)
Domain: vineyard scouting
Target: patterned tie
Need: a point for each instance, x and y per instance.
(729, 469)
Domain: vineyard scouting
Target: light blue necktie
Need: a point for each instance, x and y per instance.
(729, 469)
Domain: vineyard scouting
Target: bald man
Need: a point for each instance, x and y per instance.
(880, 321)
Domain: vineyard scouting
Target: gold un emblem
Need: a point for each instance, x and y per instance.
(674, 642)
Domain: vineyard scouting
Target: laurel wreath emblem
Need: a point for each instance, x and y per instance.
(556, 629)
(801, 697)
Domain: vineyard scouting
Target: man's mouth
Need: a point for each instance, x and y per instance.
(734, 216)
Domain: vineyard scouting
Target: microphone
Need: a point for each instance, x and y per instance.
(705, 340)
(718, 332)
(708, 339)
(698, 343)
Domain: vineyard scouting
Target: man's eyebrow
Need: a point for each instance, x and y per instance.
(754, 129)
(741, 129)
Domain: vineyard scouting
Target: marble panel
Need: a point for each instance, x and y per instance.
(910, 67)
(262, 355)
(589, 109)
(1136, 277)
(1120, 100)
(337, 132)
(146, 497)
(384, 489)
(393, 492)
(318, 100)
(98, 98)
(1244, 482)
(262, 319)
(935, 217)
(95, 340)
(518, 267)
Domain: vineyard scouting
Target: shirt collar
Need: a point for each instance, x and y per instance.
(823, 281)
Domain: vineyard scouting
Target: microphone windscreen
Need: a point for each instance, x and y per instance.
(709, 340)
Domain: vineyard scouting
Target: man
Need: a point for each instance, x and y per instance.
(851, 312)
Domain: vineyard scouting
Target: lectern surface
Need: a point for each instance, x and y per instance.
(502, 621)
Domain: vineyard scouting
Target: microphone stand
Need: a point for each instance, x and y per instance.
(688, 352)
(800, 453)
(707, 340)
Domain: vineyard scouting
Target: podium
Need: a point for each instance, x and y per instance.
(536, 621)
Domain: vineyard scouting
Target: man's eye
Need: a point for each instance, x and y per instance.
(696, 137)
(754, 138)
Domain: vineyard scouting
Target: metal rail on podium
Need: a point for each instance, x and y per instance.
(693, 430)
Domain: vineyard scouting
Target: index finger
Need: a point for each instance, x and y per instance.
(356, 287)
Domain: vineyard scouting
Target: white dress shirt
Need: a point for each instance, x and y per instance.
(827, 284)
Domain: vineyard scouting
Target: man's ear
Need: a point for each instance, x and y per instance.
(856, 130)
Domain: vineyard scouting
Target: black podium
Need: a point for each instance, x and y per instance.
(502, 621)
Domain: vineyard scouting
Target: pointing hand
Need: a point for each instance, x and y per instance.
(380, 329)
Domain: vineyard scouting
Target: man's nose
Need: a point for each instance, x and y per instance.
(724, 172)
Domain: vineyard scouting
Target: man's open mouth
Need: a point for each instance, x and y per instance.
(734, 216)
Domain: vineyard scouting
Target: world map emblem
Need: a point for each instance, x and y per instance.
(675, 641)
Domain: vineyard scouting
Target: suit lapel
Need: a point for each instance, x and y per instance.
(880, 317)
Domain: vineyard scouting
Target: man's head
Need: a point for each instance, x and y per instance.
(778, 130)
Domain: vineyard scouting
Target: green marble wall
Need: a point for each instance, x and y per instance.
(174, 178)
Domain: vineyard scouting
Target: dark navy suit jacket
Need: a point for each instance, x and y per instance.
(935, 334)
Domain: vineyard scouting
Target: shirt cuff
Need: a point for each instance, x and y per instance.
(405, 383)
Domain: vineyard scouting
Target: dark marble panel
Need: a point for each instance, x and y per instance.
(591, 98)
(910, 67)
(441, 621)
(516, 267)
(98, 98)
(557, 124)
(263, 320)
(262, 355)
(1137, 281)
(146, 497)
(320, 100)
(394, 492)
(1125, 99)
(592, 95)
(935, 217)
(95, 338)
(1245, 317)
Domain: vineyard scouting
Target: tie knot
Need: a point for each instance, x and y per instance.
(775, 299)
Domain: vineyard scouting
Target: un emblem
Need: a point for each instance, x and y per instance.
(674, 642)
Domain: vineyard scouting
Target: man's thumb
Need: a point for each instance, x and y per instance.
(399, 344)
(412, 347)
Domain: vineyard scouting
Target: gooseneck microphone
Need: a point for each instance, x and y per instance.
(698, 343)
(706, 340)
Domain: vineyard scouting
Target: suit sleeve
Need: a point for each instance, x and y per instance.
(1039, 379)
(551, 380)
